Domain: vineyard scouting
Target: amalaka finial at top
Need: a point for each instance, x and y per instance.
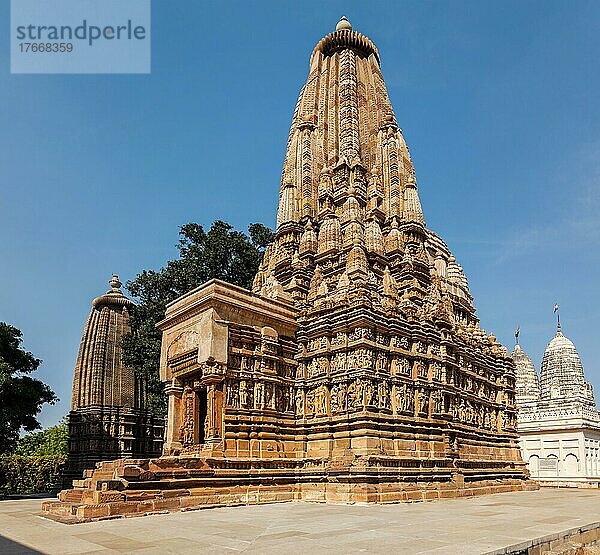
(115, 283)
(113, 297)
(343, 24)
(343, 38)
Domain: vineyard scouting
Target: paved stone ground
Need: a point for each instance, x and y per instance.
(474, 525)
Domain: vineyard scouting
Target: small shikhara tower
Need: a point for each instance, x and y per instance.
(356, 369)
(108, 419)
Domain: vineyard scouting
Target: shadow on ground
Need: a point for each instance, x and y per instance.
(10, 547)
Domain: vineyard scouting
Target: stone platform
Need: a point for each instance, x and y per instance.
(519, 522)
(137, 487)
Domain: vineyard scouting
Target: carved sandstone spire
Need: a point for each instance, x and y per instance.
(108, 417)
(347, 176)
(343, 124)
(101, 378)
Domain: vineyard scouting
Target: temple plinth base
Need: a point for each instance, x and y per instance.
(134, 487)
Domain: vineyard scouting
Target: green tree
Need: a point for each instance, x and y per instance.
(21, 396)
(221, 252)
(52, 441)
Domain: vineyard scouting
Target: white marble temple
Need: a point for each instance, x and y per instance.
(557, 419)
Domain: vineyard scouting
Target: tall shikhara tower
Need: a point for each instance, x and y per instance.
(388, 345)
(356, 369)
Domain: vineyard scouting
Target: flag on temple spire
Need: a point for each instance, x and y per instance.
(555, 308)
(517, 332)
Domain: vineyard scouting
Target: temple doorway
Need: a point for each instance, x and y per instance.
(202, 414)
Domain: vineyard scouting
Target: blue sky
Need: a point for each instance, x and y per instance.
(498, 102)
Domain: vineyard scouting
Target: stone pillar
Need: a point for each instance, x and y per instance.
(174, 393)
(213, 376)
(214, 399)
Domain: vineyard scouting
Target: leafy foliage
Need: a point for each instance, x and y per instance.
(222, 253)
(21, 396)
(27, 475)
(52, 441)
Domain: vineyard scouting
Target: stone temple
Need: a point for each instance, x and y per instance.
(558, 423)
(356, 369)
(108, 418)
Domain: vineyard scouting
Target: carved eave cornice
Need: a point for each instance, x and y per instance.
(568, 417)
(217, 293)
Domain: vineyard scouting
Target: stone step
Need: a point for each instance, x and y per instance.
(59, 508)
(71, 495)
